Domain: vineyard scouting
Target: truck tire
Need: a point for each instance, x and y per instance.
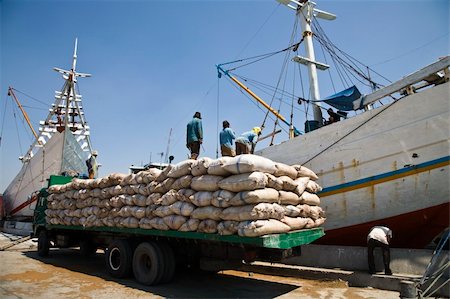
(43, 243)
(148, 263)
(169, 262)
(118, 258)
(87, 248)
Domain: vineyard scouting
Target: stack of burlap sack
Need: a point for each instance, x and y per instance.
(247, 195)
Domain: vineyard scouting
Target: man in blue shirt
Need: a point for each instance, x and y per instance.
(194, 136)
(245, 144)
(226, 137)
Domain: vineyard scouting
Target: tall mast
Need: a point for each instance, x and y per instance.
(306, 11)
(66, 112)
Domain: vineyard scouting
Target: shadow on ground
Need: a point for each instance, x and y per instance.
(187, 282)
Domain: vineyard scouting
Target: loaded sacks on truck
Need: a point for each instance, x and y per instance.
(247, 195)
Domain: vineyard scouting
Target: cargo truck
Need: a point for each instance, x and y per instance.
(152, 255)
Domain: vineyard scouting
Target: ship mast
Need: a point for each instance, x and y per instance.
(66, 113)
(306, 11)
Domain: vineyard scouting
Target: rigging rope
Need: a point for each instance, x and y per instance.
(350, 132)
(33, 98)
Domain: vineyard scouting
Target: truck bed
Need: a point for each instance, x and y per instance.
(279, 241)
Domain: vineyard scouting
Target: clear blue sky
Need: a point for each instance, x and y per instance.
(153, 64)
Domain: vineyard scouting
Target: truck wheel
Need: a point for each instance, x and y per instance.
(169, 262)
(148, 264)
(118, 257)
(87, 248)
(43, 244)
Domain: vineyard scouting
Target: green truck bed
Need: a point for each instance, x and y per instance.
(280, 241)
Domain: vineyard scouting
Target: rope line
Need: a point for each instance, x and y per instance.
(350, 132)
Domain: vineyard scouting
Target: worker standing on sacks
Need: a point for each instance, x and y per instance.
(194, 135)
(245, 144)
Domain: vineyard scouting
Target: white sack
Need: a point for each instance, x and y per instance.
(283, 169)
(190, 225)
(206, 182)
(228, 227)
(207, 226)
(181, 168)
(200, 166)
(295, 223)
(174, 221)
(216, 167)
(249, 163)
(304, 171)
(244, 182)
(209, 212)
(263, 227)
(222, 198)
(267, 195)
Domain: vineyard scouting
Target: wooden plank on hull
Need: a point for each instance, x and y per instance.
(403, 83)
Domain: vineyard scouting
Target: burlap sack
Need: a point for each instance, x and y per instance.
(163, 175)
(206, 182)
(158, 223)
(164, 186)
(295, 223)
(150, 175)
(149, 210)
(139, 200)
(181, 168)
(216, 167)
(124, 211)
(244, 182)
(289, 198)
(249, 163)
(145, 223)
(168, 198)
(274, 182)
(291, 211)
(221, 198)
(263, 227)
(313, 187)
(182, 208)
(227, 227)
(207, 226)
(267, 195)
(253, 212)
(137, 212)
(301, 184)
(288, 183)
(154, 198)
(191, 225)
(200, 166)
(130, 222)
(185, 194)
(304, 171)
(310, 199)
(182, 182)
(209, 212)
(285, 170)
(174, 221)
(202, 198)
(162, 211)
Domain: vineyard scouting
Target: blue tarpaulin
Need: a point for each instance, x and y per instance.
(344, 100)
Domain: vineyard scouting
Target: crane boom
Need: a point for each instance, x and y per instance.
(25, 115)
(292, 130)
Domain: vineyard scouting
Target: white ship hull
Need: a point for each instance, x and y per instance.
(60, 154)
(389, 164)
